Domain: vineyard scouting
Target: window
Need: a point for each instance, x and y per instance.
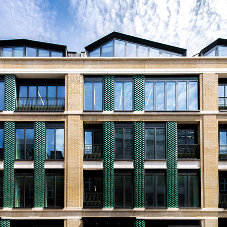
(2, 93)
(24, 188)
(123, 141)
(55, 140)
(24, 141)
(171, 94)
(155, 141)
(222, 141)
(218, 50)
(1, 140)
(93, 144)
(107, 49)
(93, 94)
(188, 188)
(1, 188)
(222, 96)
(54, 189)
(123, 189)
(123, 94)
(155, 188)
(222, 189)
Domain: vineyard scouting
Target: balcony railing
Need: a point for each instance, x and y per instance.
(92, 200)
(222, 103)
(40, 104)
(222, 152)
(222, 201)
(93, 151)
(189, 151)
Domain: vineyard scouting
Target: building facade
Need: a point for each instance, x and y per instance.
(128, 133)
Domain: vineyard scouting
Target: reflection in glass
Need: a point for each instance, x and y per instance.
(7, 52)
(223, 142)
(31, 52)
(2, 94)
(154, 52)
(182, 191)
(165, 54)
(193, 95)
(149, 96)
(128, 143)
(182, 102)
(61, 91)
(1, 143)
(171, 96)
(194, 192)
(118, 143)
(149, 189)
(97, 95)
(44, 53)
(119, 48)
(56, 54)
(161, 191)
(88, 142)
(49, 197)
(41, 95)
(131, 50)
(211, 54)
(51, 92)
(149, 143)
(127, 95)
(32, 90)
(119, 191)
(160, 143)
(142, 51)
(222, 51)
(107, 49)
(88, 93)
(29, 143)
(59, 143)
(118, 96)
(181, 137)
(128, 191)
(50, 144)
(20, 144)
(19, 191)
(160, 96)
(95, 53)
(18, 51)
(23, 91)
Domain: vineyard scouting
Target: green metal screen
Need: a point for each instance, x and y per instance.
(139, 223)
(10, 92)
(8, 171)
(108, 93)
(139, 89)
(5, 223)
(108, 164)
(39, 158)
(139, 164)
(172, 189)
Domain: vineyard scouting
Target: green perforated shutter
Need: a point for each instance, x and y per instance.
(139, 223)
(108, 164)
(139, 93)
(5, 223)
(10, 92)
(39, 158)
(108, 93)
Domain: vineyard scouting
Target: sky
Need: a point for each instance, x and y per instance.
(190, 24)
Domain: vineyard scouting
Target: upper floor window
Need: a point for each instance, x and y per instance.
(55, 141)
(155, 141)
(123, 94)
(92, 93)
(223, 142)
(24, 141)
(1, 141)
(1, 188)
(222, 189)
(171, 94)
(123, 141)
(218, 50)
(2, 94)
(222, 96)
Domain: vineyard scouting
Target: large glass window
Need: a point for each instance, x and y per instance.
(155, 188)
(1, 188)
(93, 93)
(18, 51)
(24, 189)
(131, 50)
(1, 141)
(188, 188)
(7, 52)
(119, 48)
(107, 49)
(123, 141)
(54, 140)
(123, 95)
(2, 94)
(155, 141)
(31, 52)
(171, 94)
(95, 53)
(123, 182)
(222, 96)
(223, 142)
(24, 141)
(54, 189)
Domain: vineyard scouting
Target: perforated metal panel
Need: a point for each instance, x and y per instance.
(8, 171)
(5, 223)
(108, 164)
(139, 93)
(139, 223)
(172, 189)
(39, 158)
(108, 93)
(139, 164)
(10, 92)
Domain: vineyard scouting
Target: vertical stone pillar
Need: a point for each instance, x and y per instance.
(73, 223)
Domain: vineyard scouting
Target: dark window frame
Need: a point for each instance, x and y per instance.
(1, 191)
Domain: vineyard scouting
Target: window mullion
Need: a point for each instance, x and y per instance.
(188, 202)
(123, 150)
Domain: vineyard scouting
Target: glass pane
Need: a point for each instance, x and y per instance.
(88, 184)
(41, 95)
(128, 96)
(32, 91)
(193, 95)
(119, 48)
(23, 91)
(181, 137)
(19, 191)
(171, 96)
(154, 52)
(149, 189)
(165, 54)
(211, 54)
(182, 102)
(161, 191)
(160, 96)
(29, 191)
(20, 144)
(60, 191)
(142, 51)
(29, 143)
(222, 51)
(223, 142)
(1, 144)
(190, 137)
(2, 94)
(49, 191)
(118, 96)
(98, 138)
(88, 142)
(50, 144)
(51, 92)
(7, 52)
(149, 143)
(118, 143)
(88, 95)
(128, 191)
(95, 53)
(18, 51)
(61, 91)
(160, 144)
(98, 96)
(1, 191)
(182, 191)
(131, 50)
(56, 54)
(128, 143)
(44, 53)
(194, 191)
(107, 49)
(118, 191)
(149, 96)
(59, 143)
(30, 52)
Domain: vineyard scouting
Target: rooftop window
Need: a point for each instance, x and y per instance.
(219, 50)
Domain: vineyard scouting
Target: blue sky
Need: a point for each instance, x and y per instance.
(190, 24)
